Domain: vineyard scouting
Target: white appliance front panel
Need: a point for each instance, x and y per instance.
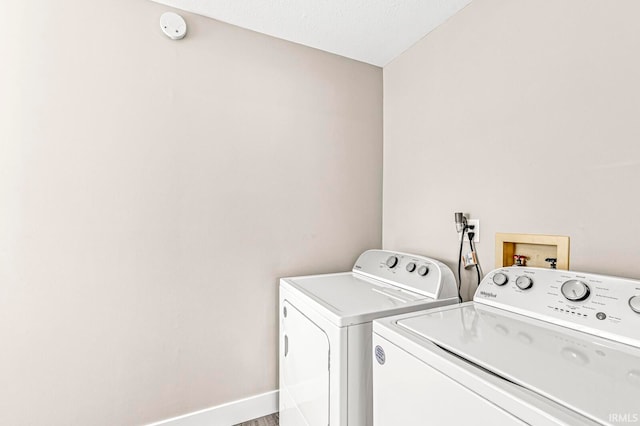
(520, 402)
(305, 369)
(342, 306)
(359, 397)
(336, 366)
(409, 392)
(589, 375)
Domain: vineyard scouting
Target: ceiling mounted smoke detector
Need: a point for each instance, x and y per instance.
(173, 25)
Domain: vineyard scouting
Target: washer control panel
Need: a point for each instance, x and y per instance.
(411, 272)
(597, 304)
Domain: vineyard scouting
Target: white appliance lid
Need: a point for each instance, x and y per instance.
(595, 377)
(354, 298)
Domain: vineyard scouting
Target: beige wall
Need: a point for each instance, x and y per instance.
(525, 115)
(152, 192)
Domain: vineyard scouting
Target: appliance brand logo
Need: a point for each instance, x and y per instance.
(488, 294)
(380, 355)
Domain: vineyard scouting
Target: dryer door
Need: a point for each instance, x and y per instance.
(304, 370)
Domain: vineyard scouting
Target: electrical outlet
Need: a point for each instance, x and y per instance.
(476, 229)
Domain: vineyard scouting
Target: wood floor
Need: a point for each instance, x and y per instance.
(271, 420)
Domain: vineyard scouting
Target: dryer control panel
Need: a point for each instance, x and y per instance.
(411, 272)
(597, 304)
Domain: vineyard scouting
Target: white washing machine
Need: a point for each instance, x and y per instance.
(325, 332)
(536, 346)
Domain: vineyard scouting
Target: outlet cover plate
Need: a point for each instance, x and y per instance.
(476, 229)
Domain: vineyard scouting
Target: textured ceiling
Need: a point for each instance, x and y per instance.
(372, 31)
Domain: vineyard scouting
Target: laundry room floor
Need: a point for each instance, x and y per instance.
(271, 420)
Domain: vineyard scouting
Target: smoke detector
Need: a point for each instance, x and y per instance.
(173, 25)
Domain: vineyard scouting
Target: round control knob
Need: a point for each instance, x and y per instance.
(575, 290)
(411, 267)
(500, 279)
(523, 282)
(634, 302)
(392, 261)
(423, 270)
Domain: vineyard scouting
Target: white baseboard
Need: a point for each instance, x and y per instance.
(228, 414)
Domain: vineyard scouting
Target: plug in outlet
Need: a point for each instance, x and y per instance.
(476, 228)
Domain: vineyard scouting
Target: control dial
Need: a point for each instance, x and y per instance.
(634, 302)
(411, 267)
(423, 270)
(500, 279)
(523, 282)
(575, 290)
(392, 261)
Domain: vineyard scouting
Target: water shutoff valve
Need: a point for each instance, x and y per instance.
(519, 260)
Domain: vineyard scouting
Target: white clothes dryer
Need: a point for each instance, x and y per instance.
(536, 346)
(325, 332)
